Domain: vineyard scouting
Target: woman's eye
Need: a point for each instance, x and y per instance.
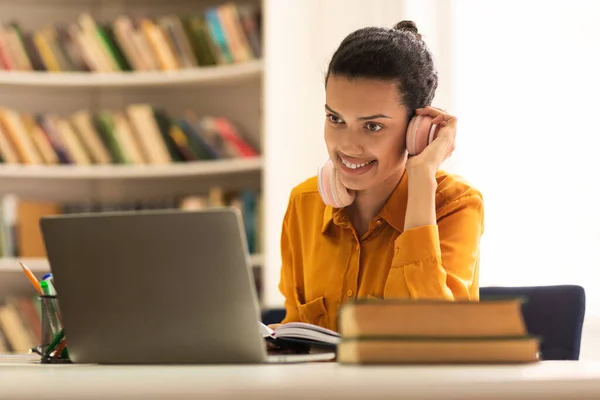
(373, 127)
(334, 119)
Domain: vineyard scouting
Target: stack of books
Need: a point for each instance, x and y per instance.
(224, 34)
(429, 331)
(139, 134)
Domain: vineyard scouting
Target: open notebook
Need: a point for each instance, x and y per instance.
(298, 334)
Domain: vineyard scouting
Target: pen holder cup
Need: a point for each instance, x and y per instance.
(53, 345)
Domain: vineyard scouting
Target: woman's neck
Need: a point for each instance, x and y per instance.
(368, 203)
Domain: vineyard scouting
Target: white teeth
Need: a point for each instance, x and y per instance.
(355, 166)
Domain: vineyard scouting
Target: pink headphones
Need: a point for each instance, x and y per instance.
(419, 134)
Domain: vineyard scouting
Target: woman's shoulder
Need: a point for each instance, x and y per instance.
(306, 195)
(306, 188)
(453, 187)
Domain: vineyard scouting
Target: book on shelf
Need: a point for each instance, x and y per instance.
(430, 331)
(137, 135)
(20, 235)
(20, 324)
(219, 35)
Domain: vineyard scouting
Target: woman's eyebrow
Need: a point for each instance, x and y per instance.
(374, 116)
(332, 110)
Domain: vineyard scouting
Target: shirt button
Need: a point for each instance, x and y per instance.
(349, 292)
(357, 247)
(379, 222)
(396, 250)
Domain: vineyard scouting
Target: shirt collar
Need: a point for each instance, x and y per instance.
(393, 211)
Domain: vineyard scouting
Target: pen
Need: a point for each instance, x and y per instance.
(45, 288)
(31, 278)
(51, 313)
(65, 352)
(48, 279)
(55, 341)
(51, 291)
(59, 350)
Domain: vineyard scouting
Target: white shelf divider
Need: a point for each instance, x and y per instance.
(210, 75)
(36, 265)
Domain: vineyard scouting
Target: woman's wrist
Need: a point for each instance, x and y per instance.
(420, 170)
(420, 208)
(422, 178)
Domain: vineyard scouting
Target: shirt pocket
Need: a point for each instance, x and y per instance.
(313, 312)
(395, 285)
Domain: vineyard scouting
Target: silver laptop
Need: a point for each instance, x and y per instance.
(166, 286)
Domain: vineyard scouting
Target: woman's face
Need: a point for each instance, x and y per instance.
(365, 129)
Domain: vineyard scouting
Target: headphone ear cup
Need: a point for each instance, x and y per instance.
(331, 189)
(324, 182)
(420, 133)
(342, 196)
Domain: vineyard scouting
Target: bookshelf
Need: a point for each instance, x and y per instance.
(229, 91)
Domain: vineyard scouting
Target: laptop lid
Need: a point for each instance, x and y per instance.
(158, 286)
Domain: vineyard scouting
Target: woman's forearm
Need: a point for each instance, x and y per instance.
(420, 208)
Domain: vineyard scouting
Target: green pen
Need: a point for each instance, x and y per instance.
(47, 288)
(55, 341)
(65, 353)
(51, 290)
(50, 310)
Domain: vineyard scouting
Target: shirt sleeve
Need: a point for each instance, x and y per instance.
(440, 261)
(286, 283)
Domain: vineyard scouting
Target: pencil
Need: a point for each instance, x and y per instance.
(32, 278)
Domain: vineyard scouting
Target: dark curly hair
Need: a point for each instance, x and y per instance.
(391, 55)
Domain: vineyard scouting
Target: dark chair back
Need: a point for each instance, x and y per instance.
(555, 313)
(273, 316)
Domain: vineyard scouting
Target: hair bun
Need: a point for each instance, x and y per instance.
(407, 26)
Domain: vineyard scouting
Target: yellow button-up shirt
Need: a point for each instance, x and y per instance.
(325, 263)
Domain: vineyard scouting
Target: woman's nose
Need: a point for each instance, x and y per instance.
(351, 142)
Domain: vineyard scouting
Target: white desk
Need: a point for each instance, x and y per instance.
(546, 380)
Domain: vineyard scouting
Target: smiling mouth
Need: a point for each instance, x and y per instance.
(355, 166)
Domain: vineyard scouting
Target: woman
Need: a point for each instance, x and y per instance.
(411, 231)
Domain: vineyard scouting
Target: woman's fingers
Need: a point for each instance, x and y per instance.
(433, 107)
(432, 111)
(429, 110)
(437, 114)
(439, 119)
(440, 109)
